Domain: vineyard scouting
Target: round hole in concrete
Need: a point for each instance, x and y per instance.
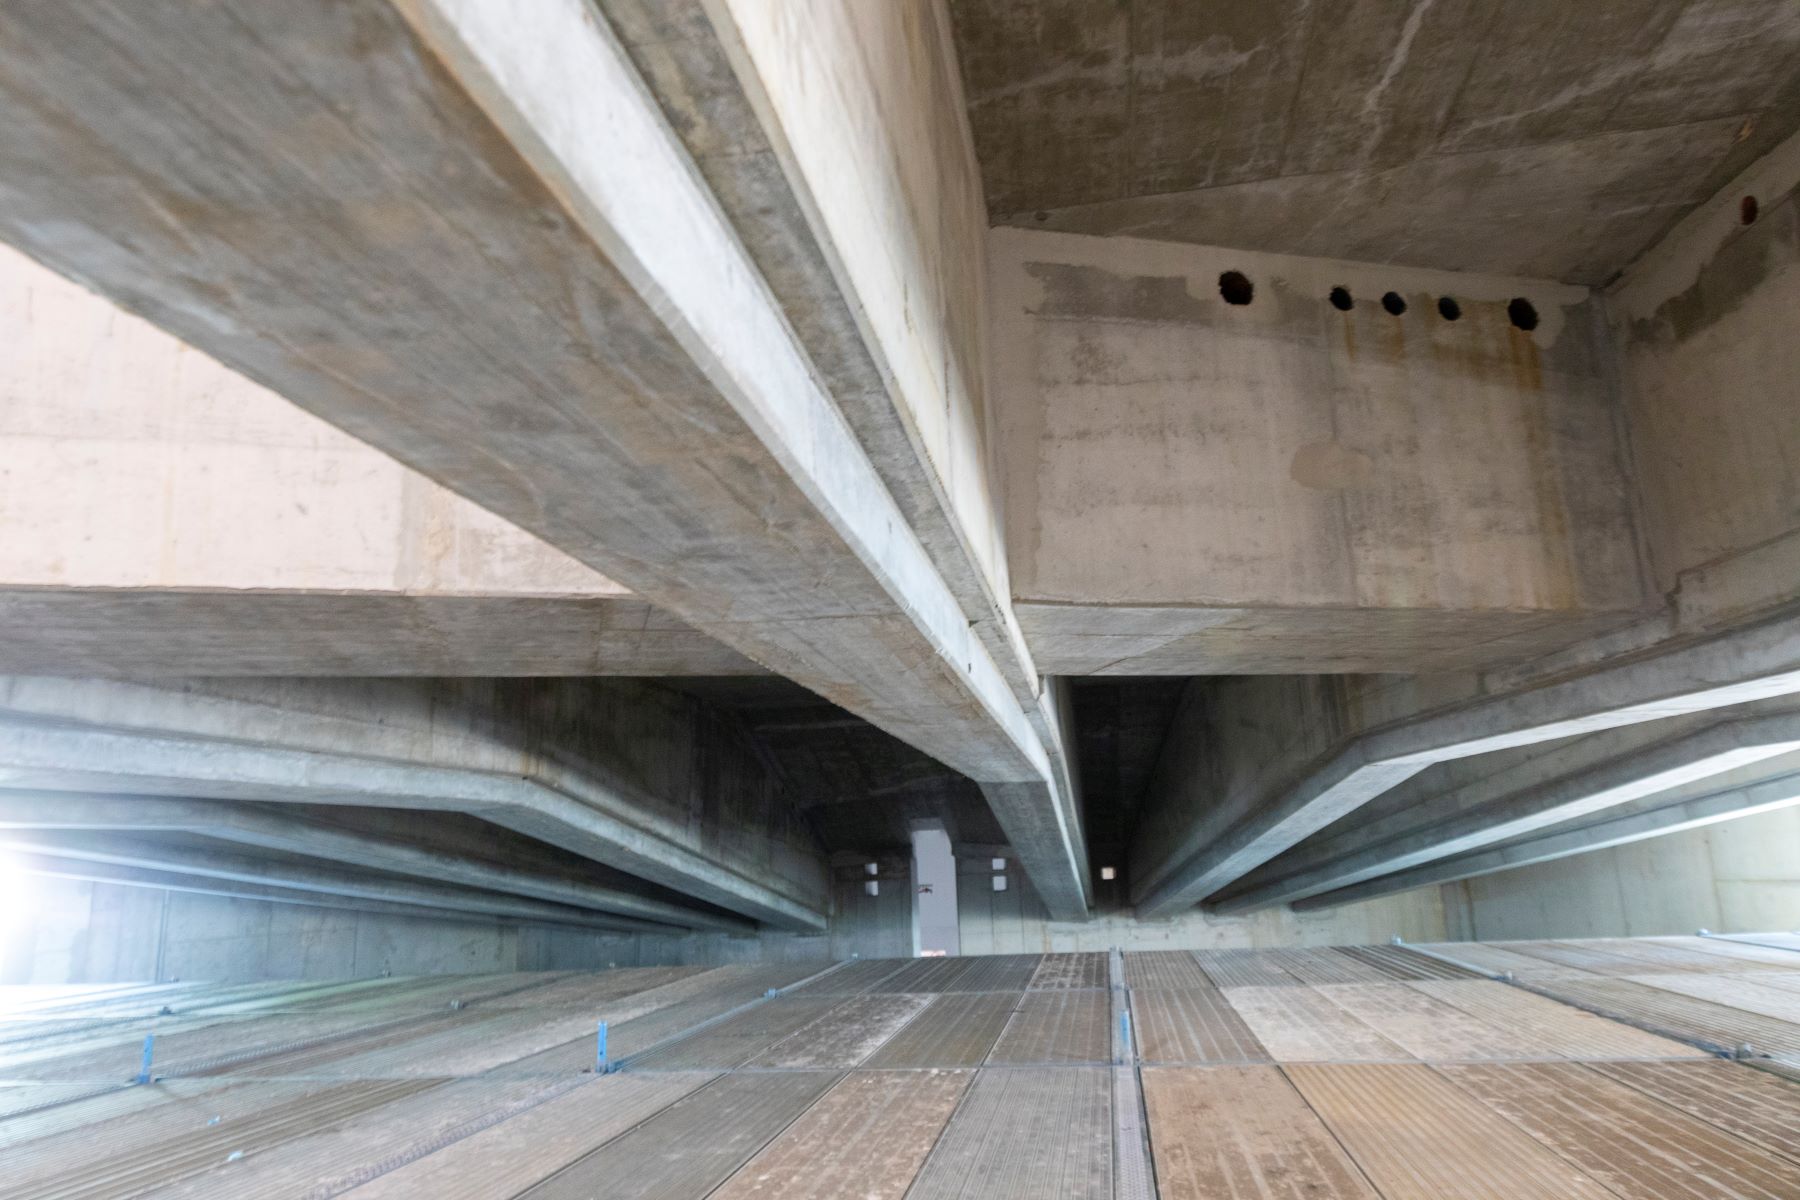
(1236, 287)
(1747, 210)
(1340, 299)
(1449, 309)
(1523, 313)
(1394, 303)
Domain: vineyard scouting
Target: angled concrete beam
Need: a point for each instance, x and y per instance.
(344, 742)
(1754, 663)
(146, 632)
(548, 313)
(1439, 830)
(1728, 804)
(306, 877)
(332, 843)
(213, 528)
(172, 881)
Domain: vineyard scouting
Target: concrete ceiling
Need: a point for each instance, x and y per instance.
(1543, 138)
(860, 787)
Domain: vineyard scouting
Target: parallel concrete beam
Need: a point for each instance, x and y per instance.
(1754, 663)
(336, 744)
(496, 262)
(307, 877)
(1436, 834)
(1728, 804)
(172, 881)
(332, 843)
(158, 632)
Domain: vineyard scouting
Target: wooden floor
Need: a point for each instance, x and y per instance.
(1647, 1068)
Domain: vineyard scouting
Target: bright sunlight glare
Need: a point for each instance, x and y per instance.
(18, 899)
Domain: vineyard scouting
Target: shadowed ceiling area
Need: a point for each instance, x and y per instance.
(1527, 137)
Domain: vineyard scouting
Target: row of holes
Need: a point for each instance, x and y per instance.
(1236, 288)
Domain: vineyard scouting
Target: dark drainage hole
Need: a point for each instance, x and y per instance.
(1236, 288)
(1449, 309)
(1523, 314)
(1340, 299)
(1747, 210)
(1393, 303)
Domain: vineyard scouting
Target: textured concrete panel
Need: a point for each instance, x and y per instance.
(1242, 1132)
(873, 1128)
(1420, 1137)
(717, 1128)
(524, 1149)
(1057, 1027)
(1297, 1024)
(1567, 1032)
(1194, 1025)
(957, 1030)
(1023, 1135)
(1634, 1144)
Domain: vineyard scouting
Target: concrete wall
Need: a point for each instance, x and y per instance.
(1711, 378)
(1013, 922)
(1733, 877)
(1396, 493)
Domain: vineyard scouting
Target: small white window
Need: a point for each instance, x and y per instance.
(1107, 873)
(871, 868)
(998, 864)
(999, 883)
(871, 888)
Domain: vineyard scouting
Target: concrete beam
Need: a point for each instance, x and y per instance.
(147, 632)
(167, 516)
(1223, 844)
(1727, 804)
(173, 881)
(1317, 515)
(424, 857)
(1443, 828)
(598, 768)
(307, 877)
(561, 326)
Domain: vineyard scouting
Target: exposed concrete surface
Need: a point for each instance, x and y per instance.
(698, 461)
(637, 777)
(434, 853)
(1449, 825)
(145, 632)
(1711, 381)
(1196, 487)
(207, 861)
(47, 866)
(1660, 815)
(1343, 757)
(165, 514)
(88, 932)
(1524, 136)
(1728, 877)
